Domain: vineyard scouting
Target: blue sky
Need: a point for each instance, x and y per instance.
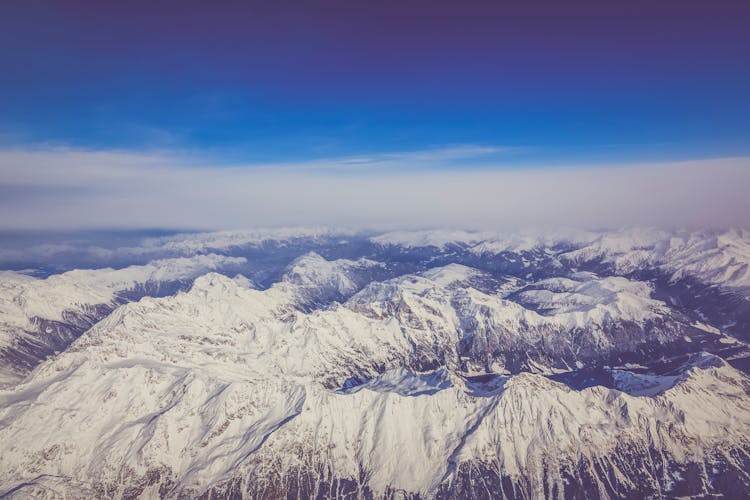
(253, 82)
(343, 87)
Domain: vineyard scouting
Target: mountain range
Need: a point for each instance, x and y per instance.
(323, 363)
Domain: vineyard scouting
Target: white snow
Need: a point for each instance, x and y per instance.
(227, 381)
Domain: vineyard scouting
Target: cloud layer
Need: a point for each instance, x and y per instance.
(71, 189)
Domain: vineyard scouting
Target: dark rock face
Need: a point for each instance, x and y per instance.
(50, 337)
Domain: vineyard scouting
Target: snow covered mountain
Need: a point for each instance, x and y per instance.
(429, 364)
(39, 317)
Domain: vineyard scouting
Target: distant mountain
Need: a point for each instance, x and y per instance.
(421, 365)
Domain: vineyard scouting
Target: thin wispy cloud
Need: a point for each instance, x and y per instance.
(407, 160)
(457, 152)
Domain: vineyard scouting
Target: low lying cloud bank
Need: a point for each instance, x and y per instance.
(69, 189)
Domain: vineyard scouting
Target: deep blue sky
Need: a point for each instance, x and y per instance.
(283, 81)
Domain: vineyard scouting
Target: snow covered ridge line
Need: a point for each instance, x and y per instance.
(714, 257)
(39, 317)
(412, 321)
(719, 258)
(482, 241)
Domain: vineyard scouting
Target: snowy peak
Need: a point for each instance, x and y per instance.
(313, 271)
(215, 283)
(39, 317)
(614, 297)
(48, 298)
(317, 282)
(453, 274)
